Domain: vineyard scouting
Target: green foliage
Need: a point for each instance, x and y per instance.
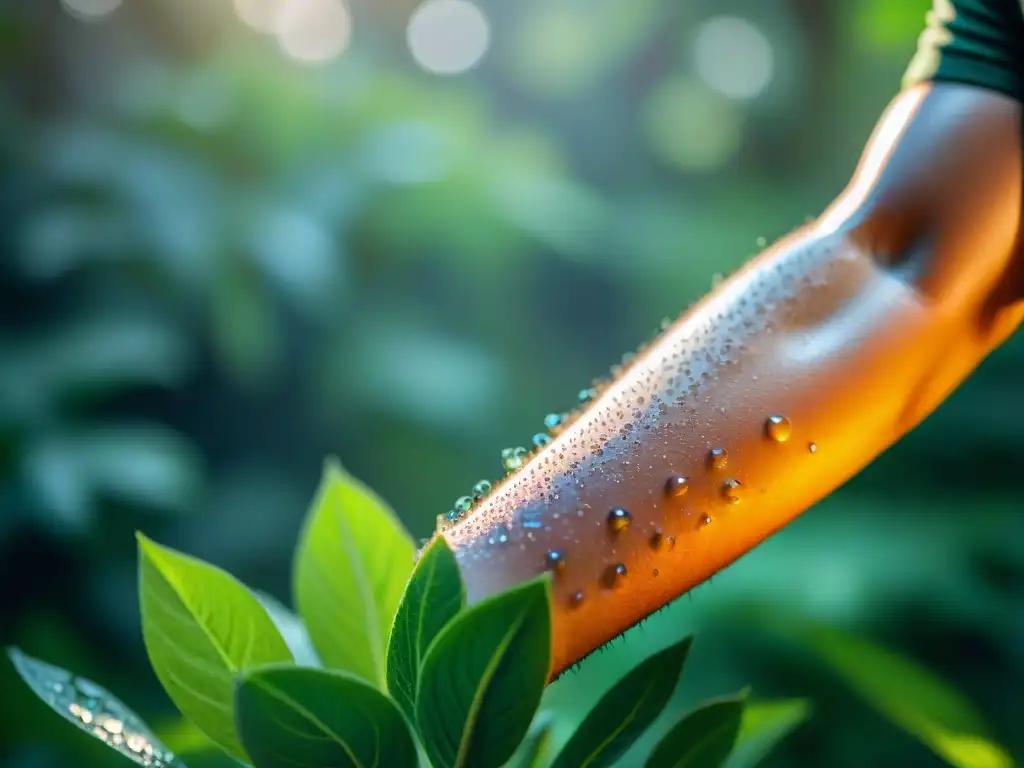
(352, 564)
(201, 628)
(703, 738)
(464, 683)
(319, 719)
(908, 695)
(483, 676)
(764, 725)
(434, 595)
(625, 712)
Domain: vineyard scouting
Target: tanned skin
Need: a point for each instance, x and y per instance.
(854, 328)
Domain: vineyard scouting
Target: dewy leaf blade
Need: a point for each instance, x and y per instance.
(434, 595)
(622, 715)
(483, 676)
(94, 710)
(293, 716)
(351, 567)
(201, 627)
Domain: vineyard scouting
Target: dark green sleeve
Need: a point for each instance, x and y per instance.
(978, 42)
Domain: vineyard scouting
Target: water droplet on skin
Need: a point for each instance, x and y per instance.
(541, 439)
(512, 458)
(576, 599)
(813, 447)
(553, 420)
(778, 428)
(499, 536)
(677, 486)
(613, 576)
(718, 458)
(555, 561)
(619, 520)
(481, 489)
(731, 490)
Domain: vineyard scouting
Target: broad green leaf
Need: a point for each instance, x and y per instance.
(294, 716)
(293, 630)
(351, 567)
(483, 676)
(201, 628)
(703, 738)
(625, 711)
(434, 595)
(763, 725)
(95, 710)
(909, 695)
(533, 749)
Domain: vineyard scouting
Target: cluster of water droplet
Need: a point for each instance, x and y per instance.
(618, 520)
(94, 710)
(512, 459)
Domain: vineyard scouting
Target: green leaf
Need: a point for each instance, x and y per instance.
(908, 695)
(201, 628)
(434, 595)
(294, 716)
(703, 738)
(483, 676)
(352, 564)
(534, 747)
(764, 725)
(95, 710)
(625, 711)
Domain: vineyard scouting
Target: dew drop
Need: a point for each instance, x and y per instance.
(499, 536)
(463, 504)
(778, 428)
(718, 458)
(613, 576)
(677, 486)
(619, 519)
(553, 420)
(512, 458)
(705, 520)
(657, 539)
(812, 447)
(541, 439)
(576, 599)
(481, 489)
(731, 490)
(555, 560)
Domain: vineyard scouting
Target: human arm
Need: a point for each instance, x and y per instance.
(854, 328)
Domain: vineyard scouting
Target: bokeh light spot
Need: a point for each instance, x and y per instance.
(447, 37)
(691, 126)
(734, 57)
(90, 9)
(313, 30)
(261, 15)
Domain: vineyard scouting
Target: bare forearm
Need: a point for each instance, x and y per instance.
(780, 385)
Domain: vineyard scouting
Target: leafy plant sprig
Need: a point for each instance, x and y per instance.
(407, 674)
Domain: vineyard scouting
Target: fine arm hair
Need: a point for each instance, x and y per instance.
(782, 383)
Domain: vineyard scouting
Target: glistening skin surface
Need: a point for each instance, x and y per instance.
(849, 331)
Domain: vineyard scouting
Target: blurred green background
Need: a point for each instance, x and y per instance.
(234, 242)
